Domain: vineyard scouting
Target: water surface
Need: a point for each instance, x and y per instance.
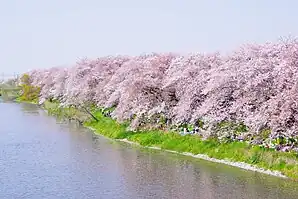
(41, 157)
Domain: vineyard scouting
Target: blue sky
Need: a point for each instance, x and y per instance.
(41, 34)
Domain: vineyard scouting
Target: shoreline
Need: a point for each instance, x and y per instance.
(110, 129)
(241, 165)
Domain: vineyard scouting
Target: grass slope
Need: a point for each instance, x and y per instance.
(286, 163)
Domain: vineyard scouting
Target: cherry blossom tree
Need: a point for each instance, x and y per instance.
(255, 85)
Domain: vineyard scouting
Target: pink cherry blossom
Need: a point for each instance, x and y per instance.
(256, 85)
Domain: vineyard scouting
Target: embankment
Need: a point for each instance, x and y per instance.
(238, 154)
(241, 106)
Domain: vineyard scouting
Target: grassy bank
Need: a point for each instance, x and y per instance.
(9, 93)
(286, 163)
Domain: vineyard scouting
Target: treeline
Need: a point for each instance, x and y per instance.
(250, 94)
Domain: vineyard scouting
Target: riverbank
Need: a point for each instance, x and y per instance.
(86, 161)
(241, 165)
(9, 94)
(238, 154)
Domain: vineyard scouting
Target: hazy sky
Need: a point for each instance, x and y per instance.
(45, 33)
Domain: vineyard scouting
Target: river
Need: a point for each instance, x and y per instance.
(41, 157)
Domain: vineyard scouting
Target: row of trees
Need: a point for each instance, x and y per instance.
(255, 85)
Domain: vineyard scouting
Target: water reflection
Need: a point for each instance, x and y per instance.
(43, 158)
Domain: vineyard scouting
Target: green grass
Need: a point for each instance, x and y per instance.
(9, 93)
(70, 113)
(287, 163)
(20, 99)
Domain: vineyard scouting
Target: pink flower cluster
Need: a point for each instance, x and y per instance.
(256, 85)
